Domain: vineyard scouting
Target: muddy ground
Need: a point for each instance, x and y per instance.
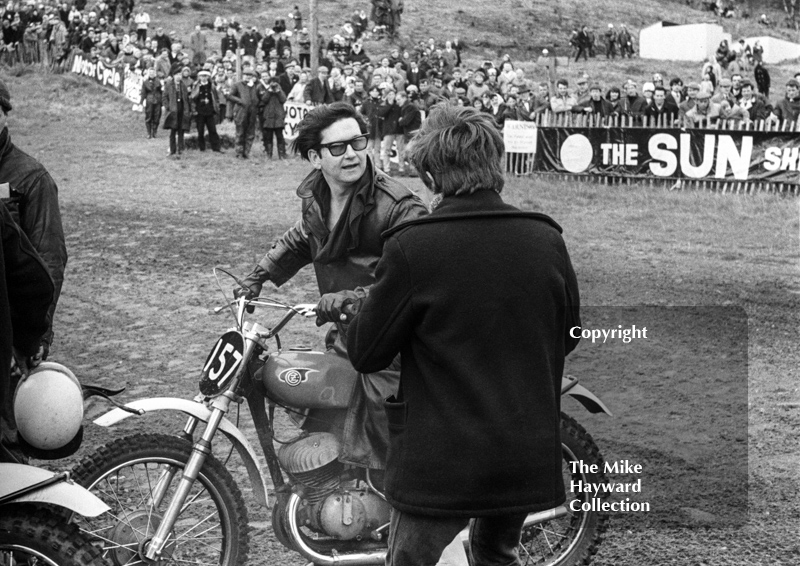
(708, 404)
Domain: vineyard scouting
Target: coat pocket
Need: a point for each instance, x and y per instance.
(396, 412)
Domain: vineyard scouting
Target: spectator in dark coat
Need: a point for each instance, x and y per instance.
(596, 104)
(369, 109)
(762, 78)
(317, 90)
(229, 42)
(205, 103)
(389, 113)
(178, 106)
(788, 108)
(479, 299)
(660, 109)
(151, 99)
(757, 106)
(244, 98)
(410, 120)
(270, 104)
(249, 41)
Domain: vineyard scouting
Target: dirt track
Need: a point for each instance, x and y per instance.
(143, 233)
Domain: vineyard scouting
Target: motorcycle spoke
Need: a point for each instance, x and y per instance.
(183, 536)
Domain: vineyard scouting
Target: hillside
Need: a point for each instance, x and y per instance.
(488, 30)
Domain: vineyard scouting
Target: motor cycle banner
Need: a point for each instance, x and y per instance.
(295, 112)
(118, 77)
(671, 153)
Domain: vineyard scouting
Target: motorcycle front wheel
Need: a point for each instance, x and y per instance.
(137, 477)
(33, 536)
(574, 538)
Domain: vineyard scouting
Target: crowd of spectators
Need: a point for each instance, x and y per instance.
(250, 75)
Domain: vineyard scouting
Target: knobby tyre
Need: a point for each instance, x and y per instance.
(31, 536)
(572, 539)
(137, 477)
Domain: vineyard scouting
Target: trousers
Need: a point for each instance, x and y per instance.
(418, 540)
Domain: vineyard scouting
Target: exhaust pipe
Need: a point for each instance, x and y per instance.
(378, 558)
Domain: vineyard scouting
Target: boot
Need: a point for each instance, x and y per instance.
(149, 130)
(282, 150)
(268, 149)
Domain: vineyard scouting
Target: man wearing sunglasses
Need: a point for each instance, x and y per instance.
(347, 203)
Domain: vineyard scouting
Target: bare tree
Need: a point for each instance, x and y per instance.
(790, 6)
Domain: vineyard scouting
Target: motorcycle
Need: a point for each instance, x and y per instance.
(172, 500)
(35, 504)
(31, 531)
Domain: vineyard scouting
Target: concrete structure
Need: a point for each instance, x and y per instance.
(775, 50)
(675, 42)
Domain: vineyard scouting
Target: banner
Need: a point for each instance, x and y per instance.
(124, 80)
(671, 153)
(294, 113)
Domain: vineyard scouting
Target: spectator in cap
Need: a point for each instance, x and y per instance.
(704, 113)
(31, 196)
(151, 100)
(270, 106)
(178, 106)
(582, 90)
(205, 102)
(317, 90)
(244, 97)
(692, 90)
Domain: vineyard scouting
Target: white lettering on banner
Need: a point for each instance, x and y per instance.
(620, 153)
(519, 136)
(132, 85)
(699, 171)
(665, 163)
(669, 163)
(783, 159)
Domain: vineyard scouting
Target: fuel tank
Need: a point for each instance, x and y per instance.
(307, 379)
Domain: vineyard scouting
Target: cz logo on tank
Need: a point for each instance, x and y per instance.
(295, 376)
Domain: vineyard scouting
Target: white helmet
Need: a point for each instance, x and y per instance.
(48, 409)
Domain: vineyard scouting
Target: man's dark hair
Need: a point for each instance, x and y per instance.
(675, 81)
(461, 149)
(661, 88)
(746, 84)
(309, 130)
(562, 82)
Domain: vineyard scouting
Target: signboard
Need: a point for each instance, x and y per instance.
(519, 137)
(671, 153)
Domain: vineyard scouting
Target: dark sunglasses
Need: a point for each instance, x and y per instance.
(358, 143)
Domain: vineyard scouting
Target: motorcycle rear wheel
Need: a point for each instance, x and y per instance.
(125, 474)
(574, 538)
(34, 536)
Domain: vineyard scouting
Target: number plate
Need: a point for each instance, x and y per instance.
(223, 361)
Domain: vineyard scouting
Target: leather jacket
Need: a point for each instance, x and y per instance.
(33, 203)
(345, 259)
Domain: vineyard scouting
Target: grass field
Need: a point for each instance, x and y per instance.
(143, 233)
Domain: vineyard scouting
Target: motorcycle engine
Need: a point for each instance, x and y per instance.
(332, 503)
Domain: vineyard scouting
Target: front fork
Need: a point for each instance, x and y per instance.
(200, 451)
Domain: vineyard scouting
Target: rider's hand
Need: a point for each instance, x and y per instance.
(337, 307)
(22, 364)
(41, 354)
(251, 286)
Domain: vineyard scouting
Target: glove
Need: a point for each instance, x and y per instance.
(252, 285)
(338, 307)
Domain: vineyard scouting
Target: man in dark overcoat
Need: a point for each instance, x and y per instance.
(178, 106)
(244, 98)
(205, 103)
(479, 298)
(270, 106)
(152, 99)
